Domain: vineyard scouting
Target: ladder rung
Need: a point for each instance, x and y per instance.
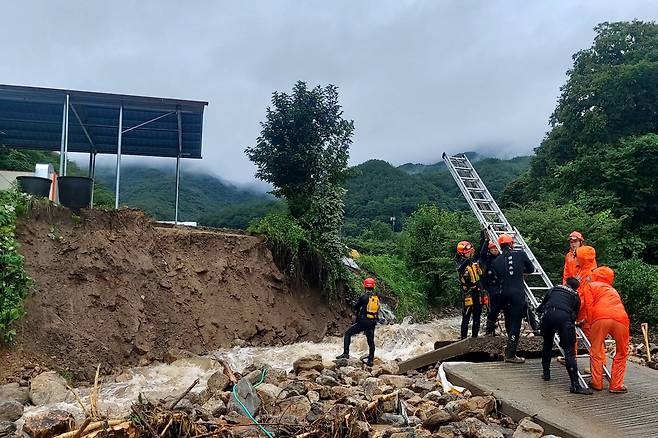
(489, 212)
(475, 189)
(461, 168)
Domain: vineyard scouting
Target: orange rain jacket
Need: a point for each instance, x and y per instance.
(570, 266)
(603, 300)
(585, 264)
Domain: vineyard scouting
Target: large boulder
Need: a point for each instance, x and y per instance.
(437, 419)
(528, 429)
(50, 424)
(371, 387)
(10, 410)
(472, 427)
(298, 407)
(307, 363)
(49, 387)
(215, 407)
(268, 393)
(392, 419)
(15, 392)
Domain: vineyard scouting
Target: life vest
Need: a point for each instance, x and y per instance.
(372, 308)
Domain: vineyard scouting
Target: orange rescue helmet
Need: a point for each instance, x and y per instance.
(505, 239)
(369, 283)
(575, 235)
(464, 247)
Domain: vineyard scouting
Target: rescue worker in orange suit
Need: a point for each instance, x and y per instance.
(511, 266)
(570, 264)
(469, 279)
(367, 312)
(491, 283)
(608, 317)
(559, 309)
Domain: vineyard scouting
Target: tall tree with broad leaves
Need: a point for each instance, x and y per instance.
(303, 145)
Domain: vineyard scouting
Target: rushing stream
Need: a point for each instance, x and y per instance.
(160, 381)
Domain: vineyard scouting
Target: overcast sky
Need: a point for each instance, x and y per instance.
(417, 77)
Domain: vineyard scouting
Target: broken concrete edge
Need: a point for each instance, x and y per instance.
(508, 408)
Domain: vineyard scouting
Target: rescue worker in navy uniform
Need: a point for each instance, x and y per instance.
(367, 311)
(490, 282)
(469, 279)
(510, 267)
(559, 309)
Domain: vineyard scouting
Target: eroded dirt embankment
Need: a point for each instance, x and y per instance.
(113, 288)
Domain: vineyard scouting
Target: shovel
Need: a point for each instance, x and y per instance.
(645, 334)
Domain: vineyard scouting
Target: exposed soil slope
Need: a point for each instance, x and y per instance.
(113, 288)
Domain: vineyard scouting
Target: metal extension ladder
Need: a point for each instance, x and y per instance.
(495, 223)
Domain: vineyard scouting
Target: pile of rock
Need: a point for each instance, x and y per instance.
(316, 399)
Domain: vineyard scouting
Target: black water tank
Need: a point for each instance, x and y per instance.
(75, 191)
(34, 185)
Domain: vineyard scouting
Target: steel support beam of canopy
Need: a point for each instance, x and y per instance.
(116, 194)
(180, 146)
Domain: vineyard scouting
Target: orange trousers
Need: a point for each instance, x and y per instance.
(621, 334)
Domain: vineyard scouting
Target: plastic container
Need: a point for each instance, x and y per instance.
(34, 185)
(75, 191)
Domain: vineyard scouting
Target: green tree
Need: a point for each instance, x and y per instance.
(304, 144)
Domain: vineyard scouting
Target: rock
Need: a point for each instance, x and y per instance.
(173, 354)
(317, 411)
(396, 381)
(476, 428)
(463, 407)
(247, 395)
(385, 368)
(215, 407)
(10, 410)
(268, 393)
(411, 433)
(437, 419)
(295, 388)
(528, 429)
(7, 429)
(185, 406)
(423, 385)
(308, 375)
(406, 393)
(331, 373)
(311, 362)
(326, 381)
(217, 382)
(371, 387)
(338, 392)
(359, 429)
(298, 407)
(49, 424)
(359, 375)
(276, 376)
(15, 392)
(48, 388)
(392, 419)
(313, 396)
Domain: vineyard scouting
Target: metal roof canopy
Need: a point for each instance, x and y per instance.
(100, 123)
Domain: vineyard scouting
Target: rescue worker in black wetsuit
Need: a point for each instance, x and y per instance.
(367, 311)
(490, 281)
(469, 280)
(559, 309)
(510, 267)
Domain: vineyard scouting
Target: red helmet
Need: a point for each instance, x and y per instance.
(369, 283)
(464, 247)
(492, 245)
(505, 239)
(575, 235)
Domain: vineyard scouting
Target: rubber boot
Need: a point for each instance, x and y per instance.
(576, 388)
(546, 375)
(343, 356)
(510, 353)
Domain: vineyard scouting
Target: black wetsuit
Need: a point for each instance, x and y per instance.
(364, 325)
(559, 308)
(469, 280)
(492, 285)
(510, 267)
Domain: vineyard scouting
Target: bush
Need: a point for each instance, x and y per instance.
(14, 282)
(429, 246)
(394, 277)
(637, 283)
